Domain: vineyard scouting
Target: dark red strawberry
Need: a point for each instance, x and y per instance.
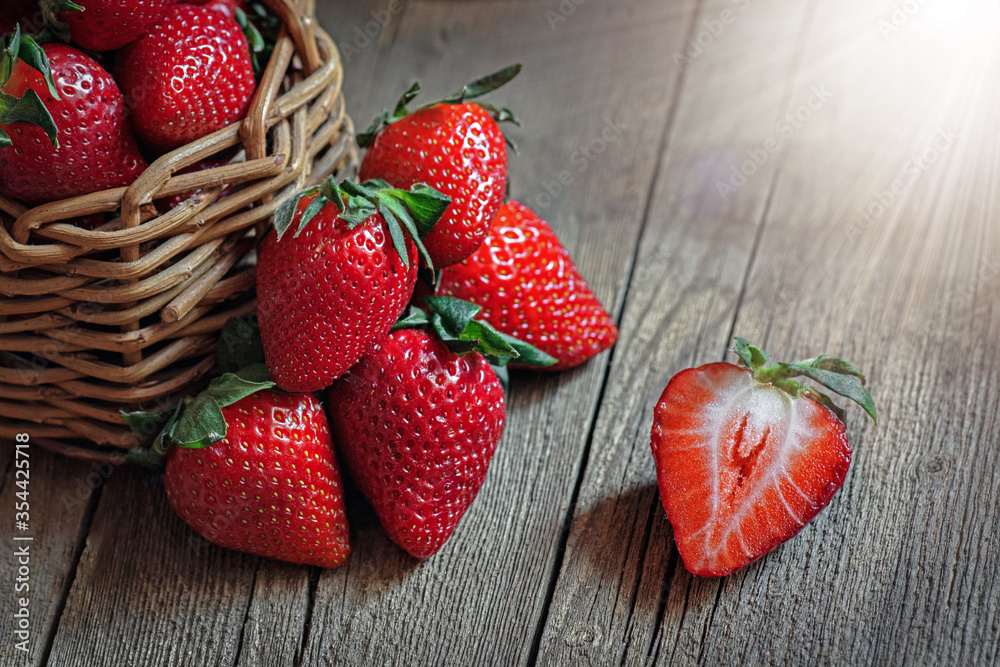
(96, 150)
(528, 287)
(271, 487)
(745, 457)
(187, 77)
(105, 25)
(417, 419)
(329, 290)
(456, 148)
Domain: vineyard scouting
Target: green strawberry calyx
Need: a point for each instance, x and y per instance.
(834, 373)
(196, 422)
(414, 211)
(28, 108)
(53, 25)
(454, 322)
(471, 91)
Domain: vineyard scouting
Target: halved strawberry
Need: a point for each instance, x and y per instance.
(745, 457)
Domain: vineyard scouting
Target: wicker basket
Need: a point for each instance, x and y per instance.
(128, 315)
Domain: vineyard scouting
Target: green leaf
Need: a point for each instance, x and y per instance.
(239, 345)
(484, 85)
(28, 109)
(315, 206)
(357, 210)
(752, 356)
(529, 355)
(405, 99)
(848, 386)
(230, 388)
(255, 41)
(201, 423)
(491, 343)
(403, 215)
(366, 138)
(34, 56)
(398, 240)
(834, 364)
(426, 205)
(5, 139)
(285, 213)
(414, 318)
(147, 423)
(455, 313)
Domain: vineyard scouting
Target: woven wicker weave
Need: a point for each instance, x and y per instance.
(128, 315)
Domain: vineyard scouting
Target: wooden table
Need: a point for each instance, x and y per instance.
(815, 176)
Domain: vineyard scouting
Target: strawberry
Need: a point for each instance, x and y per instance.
(528, 287)
(417, 421)
(746, 456)
(187, 77)
(249, 468)
(105, 25)
(95, 149)
(454, 146)
(327, 294)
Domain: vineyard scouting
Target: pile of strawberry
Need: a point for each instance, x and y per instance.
(110, 85)
(396, 304)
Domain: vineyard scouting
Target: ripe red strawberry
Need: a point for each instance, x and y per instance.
(417, 425)
(745, 457)
(528, 287)
(187, 77)
(327, 293)
(456, 148)
(105, 25)
(271, 487)
(96, 149)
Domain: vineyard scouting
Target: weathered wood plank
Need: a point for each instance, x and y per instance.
(60, 497)
(480, 599)
(901, 568)
(681, 304)
(148, 591)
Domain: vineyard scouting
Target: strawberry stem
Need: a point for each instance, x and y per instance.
(834, 373)
(454, 322)
(476, 89)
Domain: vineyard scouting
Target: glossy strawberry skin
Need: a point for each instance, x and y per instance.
(741, 466)
(416, 426)
(328, 296)
(187, 77)
(459, 150)
(105, 25)
(96, 148)
(528, 287)
(271, 487)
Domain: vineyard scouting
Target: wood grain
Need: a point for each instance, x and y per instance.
(60, 494)
(479, 600)
(895, 571)
(566, 557)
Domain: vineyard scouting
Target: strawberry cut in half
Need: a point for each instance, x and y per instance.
(456, 147)
(528, 287)
(746, 455)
